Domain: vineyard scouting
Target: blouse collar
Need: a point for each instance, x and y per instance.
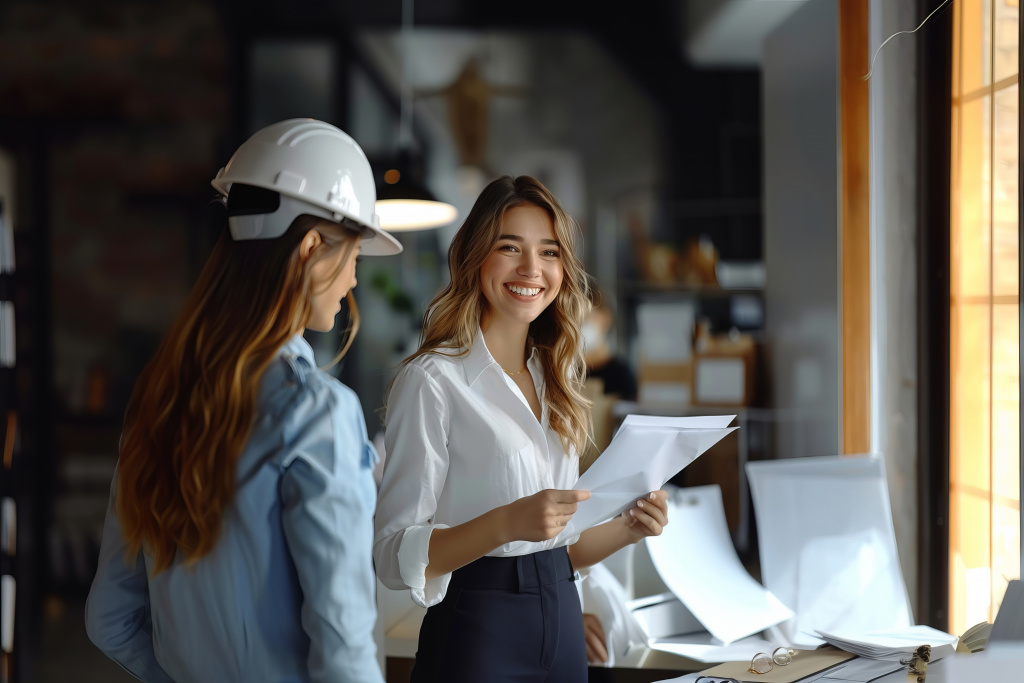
(298, 347)
(480, 358)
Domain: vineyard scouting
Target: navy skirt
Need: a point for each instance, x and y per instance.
(506, 619)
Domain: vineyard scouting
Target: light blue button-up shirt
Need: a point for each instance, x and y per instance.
(287, 594)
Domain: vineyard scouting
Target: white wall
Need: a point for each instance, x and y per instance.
(801, 163)
(894, 300)
(802, 248)
(580, 123)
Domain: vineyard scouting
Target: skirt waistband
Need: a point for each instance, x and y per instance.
(515, 573)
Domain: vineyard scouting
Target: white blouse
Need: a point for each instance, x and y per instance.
(461, 440)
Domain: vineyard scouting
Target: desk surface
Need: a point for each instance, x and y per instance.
(995, 665)
(897, 677)
(399, 669)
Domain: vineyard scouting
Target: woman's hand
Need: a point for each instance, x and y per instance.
(543, 515)
(648, 517)
(597, 648)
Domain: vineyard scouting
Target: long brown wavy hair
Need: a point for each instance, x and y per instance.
(194, 404)
(453, 317)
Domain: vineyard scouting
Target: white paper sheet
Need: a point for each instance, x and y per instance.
(842, 579)
(697, 422)
(825, 528)
(702, 647)
(695, 557)
(644, 454)
(892, 644)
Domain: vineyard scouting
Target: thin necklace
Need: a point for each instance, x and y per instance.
(511, 374)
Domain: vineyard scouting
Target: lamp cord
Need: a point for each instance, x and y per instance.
(405, 122)
(872, 66)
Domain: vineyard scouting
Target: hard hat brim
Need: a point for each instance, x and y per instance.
(377, 242)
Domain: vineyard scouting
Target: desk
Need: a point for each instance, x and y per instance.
(399, 669)
(897, 677)
(995, 665)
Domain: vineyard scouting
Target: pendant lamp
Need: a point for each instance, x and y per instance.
(403, 203)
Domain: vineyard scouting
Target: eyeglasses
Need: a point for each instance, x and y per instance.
(762, 662)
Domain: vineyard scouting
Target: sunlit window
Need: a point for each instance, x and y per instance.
(984, 497)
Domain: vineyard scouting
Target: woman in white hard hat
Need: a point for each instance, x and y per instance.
(237, 544)
(484, 425)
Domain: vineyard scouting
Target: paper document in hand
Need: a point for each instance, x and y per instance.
(643, 455)
(699, 422)
(695, 557)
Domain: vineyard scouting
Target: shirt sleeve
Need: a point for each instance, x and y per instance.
(415, 468)
(327, 519)
(117, 612)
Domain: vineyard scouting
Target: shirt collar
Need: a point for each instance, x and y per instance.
(298, 347)
(479, 358)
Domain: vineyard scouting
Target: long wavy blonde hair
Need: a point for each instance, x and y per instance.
(453, 317)
(194, 404)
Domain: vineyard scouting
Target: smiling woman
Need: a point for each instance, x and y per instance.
(484, 426)
(523, 274)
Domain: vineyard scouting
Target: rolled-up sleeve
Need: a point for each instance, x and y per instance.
(117, 612)
(328, 527)
(416, 465)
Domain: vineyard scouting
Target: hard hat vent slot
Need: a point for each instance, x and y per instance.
(246, 200)
(287, 181)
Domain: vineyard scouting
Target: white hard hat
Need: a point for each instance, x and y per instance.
(315, 169)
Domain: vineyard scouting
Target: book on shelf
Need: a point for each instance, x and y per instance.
(7, 337)
(6, 243)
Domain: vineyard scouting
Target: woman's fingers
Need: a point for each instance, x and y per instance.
(568, 496)
(597, 650)
(543, 515)
(651, 526)
(655, 507)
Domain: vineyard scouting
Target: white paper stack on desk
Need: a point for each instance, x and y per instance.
(894, 645)
(828, 551)
(828, 560)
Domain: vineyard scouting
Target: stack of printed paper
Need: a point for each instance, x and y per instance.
(896, 644)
